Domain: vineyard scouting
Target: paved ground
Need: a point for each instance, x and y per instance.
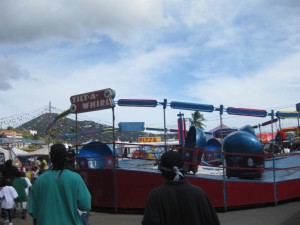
(282, 214)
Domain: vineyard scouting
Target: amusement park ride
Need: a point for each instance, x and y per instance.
(231, 167)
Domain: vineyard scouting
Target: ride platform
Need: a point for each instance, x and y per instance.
(127, 186)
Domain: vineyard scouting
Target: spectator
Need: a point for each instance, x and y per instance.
(35, 173)
(279, 139)
(71, 158)
(62, 187)
(9, 170)
(29, 184)
(43, 165)
(20, 185)
(177, 202)
(8, 194)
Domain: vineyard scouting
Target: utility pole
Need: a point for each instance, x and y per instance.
(49, 136)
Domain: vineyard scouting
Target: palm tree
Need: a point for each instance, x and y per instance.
(197, 120)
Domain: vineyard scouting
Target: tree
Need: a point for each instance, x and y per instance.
(197, 120)
(26, 134)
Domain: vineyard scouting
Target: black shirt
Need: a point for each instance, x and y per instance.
(179, 203)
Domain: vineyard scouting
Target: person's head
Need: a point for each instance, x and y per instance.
(8, 163)
(22, 173)
(171, 165)
(58, 156)
(8, 181)
(18, 174)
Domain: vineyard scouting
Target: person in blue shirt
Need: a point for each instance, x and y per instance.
(58, 193)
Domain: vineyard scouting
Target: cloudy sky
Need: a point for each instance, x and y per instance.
(235, 53)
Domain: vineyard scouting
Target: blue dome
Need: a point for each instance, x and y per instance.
(196, 138)
(95, 149)
(94, 155)
(213, 145)
(245, 143)
(212, 154)
(248, 129)
(242, 142)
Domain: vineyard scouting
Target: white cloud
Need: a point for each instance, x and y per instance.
(27, 21)
(269, 88)
(241, 54)
(10, 71)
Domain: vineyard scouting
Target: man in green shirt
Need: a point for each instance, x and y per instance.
(58, 193)
(20, 185)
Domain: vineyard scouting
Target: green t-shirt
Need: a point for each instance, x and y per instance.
(20, 184)
(56, 196)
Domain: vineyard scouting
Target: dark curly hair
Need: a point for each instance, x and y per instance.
(58, 156)
(168, 161)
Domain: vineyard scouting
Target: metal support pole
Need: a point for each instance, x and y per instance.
(260, 132)
(223, 160)
(114, 163)
(76, 132)
(165, 126)
(279, 119)
(49, 136)
(180, 129)
(274, 172)
(298, 126)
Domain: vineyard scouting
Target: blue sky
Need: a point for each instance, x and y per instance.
(235, 53)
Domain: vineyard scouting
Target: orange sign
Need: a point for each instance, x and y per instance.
(149, 139)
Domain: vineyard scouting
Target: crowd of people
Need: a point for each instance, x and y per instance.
(14, 193)
(175, 202)
(35, 193)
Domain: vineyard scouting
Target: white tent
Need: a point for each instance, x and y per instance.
(4, 155)
(16, 151)
(42, 151)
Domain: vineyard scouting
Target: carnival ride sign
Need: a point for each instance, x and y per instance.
(92, 101)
